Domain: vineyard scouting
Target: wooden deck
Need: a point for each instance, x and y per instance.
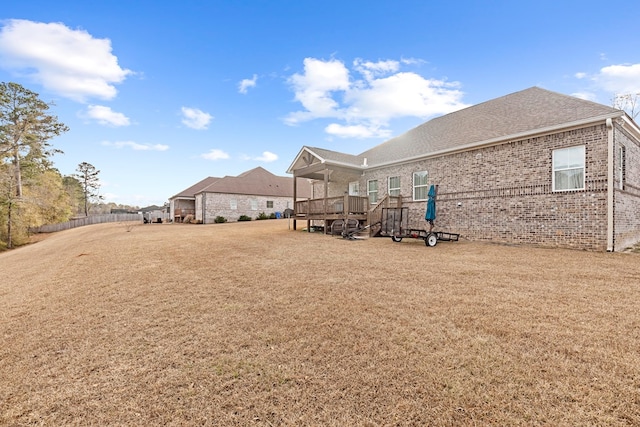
(345, 207)
(180, 214)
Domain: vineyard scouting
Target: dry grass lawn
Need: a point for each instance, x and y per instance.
(254, 324)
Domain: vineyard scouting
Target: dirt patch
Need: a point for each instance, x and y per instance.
(257, 324)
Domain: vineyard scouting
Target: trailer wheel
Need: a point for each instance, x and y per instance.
(396, 239)
(431, 239)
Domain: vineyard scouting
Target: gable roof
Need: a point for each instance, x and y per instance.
(530, 111)
(195, 188)
(258, 182)
(255, 182)
(153, 208)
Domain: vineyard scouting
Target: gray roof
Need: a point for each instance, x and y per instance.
(529, 111)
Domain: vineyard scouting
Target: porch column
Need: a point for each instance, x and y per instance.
(295, 193)
(326, 190)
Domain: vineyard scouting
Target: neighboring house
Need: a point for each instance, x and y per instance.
(183, 204)
(155, 213)
(251, 193)
(531, 167)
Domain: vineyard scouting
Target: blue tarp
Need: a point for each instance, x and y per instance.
(430, 215)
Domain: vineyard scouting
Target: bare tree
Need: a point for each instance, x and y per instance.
(627, 102)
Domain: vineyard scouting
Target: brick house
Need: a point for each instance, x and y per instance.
(250, 193)
(532, 167)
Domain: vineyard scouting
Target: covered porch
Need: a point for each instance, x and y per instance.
(334, 198)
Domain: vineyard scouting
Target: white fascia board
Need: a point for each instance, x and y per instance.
(505, 139)
(304, 149)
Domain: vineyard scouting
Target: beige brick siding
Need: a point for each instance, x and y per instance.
(503, 193)
(219, 204)
(627, 199)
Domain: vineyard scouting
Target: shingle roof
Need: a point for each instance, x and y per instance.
(258, 182)
(195, 188)
(336, 156)
(519, 113)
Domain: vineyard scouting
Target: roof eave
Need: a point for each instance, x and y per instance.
(304, 149)
(631, 126)
(504, 139)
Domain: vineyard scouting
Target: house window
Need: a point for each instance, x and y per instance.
(233, 204)
(420, 185)
(269, 204)
(354, 188)
(372, 191)
(254, 205)
(394, 185)
(621, 166)
(568, 169)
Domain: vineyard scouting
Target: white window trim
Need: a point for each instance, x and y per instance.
(553, 169)
(354, 188)
(390, 189)
(369, 192)
(414, 186)
(621, 166)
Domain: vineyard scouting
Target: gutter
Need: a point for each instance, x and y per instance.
(505, 139)
(610, 186)
(466, 147)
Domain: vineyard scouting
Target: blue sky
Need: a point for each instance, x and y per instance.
(161, 94)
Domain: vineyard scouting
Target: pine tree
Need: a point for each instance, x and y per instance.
(25, 131)
(90, 183)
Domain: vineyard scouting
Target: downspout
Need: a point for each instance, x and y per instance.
(610, 186)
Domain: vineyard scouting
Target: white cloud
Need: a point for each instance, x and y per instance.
(71, 63)
(245, 84)
(588, 96)
(357, 131)
(215, 154)
(580, 75)
(314, 89)
(267, 157)
(136, 146)
(372, 69)
(106, 116)
(327, 89)
(623, 78)
(195, 118)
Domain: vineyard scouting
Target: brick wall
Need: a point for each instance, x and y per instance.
(218, 204)
(627, 196)
(504, 193)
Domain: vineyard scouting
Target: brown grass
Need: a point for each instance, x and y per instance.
(255, 324)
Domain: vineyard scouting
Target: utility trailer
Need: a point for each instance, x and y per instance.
(395, 224)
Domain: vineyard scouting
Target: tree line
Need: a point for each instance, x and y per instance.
(32, 191)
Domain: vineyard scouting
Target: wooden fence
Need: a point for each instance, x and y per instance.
(88, 220)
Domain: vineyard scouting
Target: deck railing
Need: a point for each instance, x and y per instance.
(332, 206)
(375, 214)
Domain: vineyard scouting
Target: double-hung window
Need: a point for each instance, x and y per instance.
(420, 185)
(621, 166)
(394, 185)
(372, 191)
(354, 188)
(568, 168)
